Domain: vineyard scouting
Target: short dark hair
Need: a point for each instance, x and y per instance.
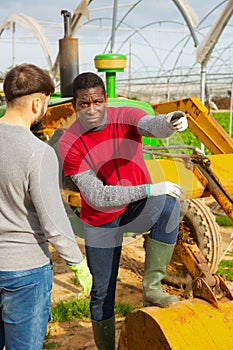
(27, 79)
(87, 80)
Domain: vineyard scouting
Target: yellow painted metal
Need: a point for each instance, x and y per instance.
(186, 325)
(201, 123)
(110, 61)
(71, 197)
(192, 181)
(222, 166)
(110, 64)
(174, 170)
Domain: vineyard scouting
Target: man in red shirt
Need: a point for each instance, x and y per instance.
(102, 153)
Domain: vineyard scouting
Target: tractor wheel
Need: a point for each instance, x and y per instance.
(199, 225)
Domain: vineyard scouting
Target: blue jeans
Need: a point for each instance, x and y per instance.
(159, 215)
(25, 308)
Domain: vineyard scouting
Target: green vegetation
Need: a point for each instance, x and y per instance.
(224, 221)
(223, 119)
(186, 138)
(225, 268)
(230, 253)
(70, 310)
(122, 308)
(73, 308)
(51, 345)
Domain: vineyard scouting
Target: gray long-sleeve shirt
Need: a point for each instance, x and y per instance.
(31, 209)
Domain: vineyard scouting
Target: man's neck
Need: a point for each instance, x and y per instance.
(15, 119)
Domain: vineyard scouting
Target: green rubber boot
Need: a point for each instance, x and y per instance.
(158, 256)
(104, 334)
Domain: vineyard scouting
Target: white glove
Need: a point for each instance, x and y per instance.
(178, 120)
(165, 187)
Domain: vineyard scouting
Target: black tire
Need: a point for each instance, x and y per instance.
(201, 226)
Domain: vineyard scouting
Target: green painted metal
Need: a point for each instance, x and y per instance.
(110, 69)
(2, 110)
(110, 56)
(111, 84)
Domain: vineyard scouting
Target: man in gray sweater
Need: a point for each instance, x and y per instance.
(31, 214)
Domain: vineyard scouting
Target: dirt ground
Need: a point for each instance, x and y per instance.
(77, 334)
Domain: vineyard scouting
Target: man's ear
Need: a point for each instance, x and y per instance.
(106, 97)
(36, 104)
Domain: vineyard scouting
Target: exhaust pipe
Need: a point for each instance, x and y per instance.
(68, 57)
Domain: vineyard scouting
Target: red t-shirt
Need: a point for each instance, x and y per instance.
(113, 153)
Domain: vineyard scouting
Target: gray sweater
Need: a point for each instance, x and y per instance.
(31, 209)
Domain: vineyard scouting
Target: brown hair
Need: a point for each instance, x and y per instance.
(27, 79)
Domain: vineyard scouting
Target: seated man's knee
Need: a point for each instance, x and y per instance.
(171, 206)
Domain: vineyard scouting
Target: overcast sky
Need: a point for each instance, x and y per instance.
(163, 31)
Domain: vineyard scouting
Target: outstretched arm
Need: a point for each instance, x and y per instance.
(163, 125)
